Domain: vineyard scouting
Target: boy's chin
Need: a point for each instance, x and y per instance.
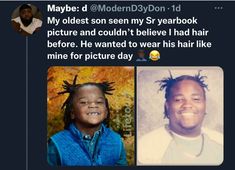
(94, 124)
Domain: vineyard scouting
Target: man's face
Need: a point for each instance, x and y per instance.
(186, 108)
(26, 16)
(89, 107)
(141, 54)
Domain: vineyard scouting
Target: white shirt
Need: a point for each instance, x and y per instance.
(36, 23)
(158, 147)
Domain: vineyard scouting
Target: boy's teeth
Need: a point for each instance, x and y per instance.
(93, 113)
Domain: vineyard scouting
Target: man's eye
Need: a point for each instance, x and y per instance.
(100, 102)
(179, 100)
(196, 99)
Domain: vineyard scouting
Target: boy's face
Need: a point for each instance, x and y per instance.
(186, 107)
(89, 107)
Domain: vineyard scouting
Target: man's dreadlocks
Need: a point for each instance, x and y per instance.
(169, 82)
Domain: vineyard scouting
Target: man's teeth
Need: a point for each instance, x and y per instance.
(187, 113)
(93, 113)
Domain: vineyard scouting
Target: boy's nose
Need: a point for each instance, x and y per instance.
(92, 104)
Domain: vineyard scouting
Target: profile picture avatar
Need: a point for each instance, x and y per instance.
(26, 19)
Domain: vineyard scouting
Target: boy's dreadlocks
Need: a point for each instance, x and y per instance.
(105, 87)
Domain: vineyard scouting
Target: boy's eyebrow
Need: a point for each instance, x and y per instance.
(101, 97)
(81, 98)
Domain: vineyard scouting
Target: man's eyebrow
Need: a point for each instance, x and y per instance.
(175, 95)
(194, 94)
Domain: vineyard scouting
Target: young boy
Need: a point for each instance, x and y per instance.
(85, 140)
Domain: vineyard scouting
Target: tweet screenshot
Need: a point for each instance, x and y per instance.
(120, 84)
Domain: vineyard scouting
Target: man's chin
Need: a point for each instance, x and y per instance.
(189, 126)
(26, 22)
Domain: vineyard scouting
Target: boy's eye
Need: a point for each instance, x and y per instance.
(100, 102)
(83, 102)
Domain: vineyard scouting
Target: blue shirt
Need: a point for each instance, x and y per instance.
(90, 144)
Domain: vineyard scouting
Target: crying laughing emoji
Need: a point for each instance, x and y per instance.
(154, 55)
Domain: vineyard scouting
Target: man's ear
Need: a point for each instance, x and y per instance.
(166, 105)
(166, 108)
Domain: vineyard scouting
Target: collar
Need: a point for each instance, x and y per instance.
(97, 133)
(172, 133)
(77, 133)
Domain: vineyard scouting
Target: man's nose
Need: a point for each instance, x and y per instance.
(187, 104)
(28, 15)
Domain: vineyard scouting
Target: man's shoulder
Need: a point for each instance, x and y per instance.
(17, 19)
(152, 146)
(156, 135)
(37, 22)
(214, 135)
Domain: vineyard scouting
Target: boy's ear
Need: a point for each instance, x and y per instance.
(106, 113)
(72, 114)
(107, 109)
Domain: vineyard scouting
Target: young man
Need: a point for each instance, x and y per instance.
(141, 55)
(183, 141)
(26, 24)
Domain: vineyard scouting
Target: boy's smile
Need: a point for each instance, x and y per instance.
(89, 107)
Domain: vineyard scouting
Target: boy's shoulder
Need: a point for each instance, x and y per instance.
(61, 134)
(109, 132)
